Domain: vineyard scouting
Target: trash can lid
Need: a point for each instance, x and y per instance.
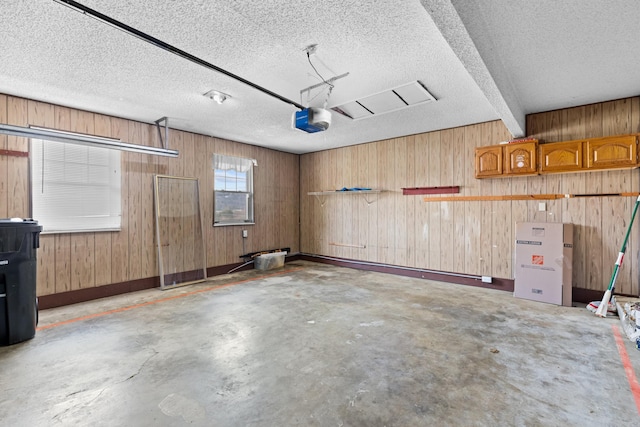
(19, 222)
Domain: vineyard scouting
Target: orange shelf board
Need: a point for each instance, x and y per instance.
(430, 190)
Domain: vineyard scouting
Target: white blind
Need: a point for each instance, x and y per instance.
(222, 162)
(75, 188)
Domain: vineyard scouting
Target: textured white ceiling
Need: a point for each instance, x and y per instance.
(558, 54)
(481, 60)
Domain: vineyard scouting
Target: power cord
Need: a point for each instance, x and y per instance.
(319, 75)
(331, 86)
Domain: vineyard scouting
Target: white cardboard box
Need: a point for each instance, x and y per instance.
(544, 262)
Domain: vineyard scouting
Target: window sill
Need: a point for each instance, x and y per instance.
(224, 224)
(99, 230)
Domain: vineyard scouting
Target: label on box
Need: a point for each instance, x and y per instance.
(537, 267)
(528, 242)
(537, 259)
(537, 231)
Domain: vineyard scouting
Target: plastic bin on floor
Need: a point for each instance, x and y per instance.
(19, 241)
(270, 261)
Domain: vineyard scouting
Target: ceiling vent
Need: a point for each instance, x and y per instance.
(384, 102)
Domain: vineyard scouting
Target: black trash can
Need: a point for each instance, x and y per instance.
(19, 241)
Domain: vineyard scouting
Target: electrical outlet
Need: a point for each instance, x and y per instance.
(487, 279)
(245, 234)
(542, 206)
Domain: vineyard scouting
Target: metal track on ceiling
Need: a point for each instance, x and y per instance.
(79, 7)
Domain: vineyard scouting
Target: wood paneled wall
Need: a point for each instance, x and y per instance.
(471, 237)
(79, 260)
(464, 237)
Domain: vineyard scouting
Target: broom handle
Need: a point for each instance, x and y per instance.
(614, 276)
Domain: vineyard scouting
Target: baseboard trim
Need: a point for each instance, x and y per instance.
(580, 295)
(587, 295)
(440, 276)
(89, 294)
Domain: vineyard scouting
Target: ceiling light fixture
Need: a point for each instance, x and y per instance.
(217, 96)
(83, 139)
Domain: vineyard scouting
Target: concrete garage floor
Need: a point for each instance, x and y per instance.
(318, 345)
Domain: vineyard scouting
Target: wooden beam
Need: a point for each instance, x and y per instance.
(523, 197)
(14, 153)
(430, 190)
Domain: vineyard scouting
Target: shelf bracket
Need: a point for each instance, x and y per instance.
(164, 142)
(364, 196)
(320, 200)
(321, 195)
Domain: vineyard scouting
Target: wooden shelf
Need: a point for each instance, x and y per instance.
(363, 193)
(334, 192)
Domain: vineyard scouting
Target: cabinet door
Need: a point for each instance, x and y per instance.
(521, 158)
(612, 152)
(561, 157)
(488, 161)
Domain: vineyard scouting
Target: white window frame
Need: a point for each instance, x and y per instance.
(226, 183)
(75, 188)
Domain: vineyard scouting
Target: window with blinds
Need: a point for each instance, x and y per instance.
(75, 188)
(233, 190)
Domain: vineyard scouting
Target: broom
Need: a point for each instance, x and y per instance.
(602, 308)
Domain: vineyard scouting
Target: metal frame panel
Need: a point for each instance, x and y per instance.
(159, 232)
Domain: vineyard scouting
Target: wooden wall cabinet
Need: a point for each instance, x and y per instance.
(582, 155)
(489, 161)
(506, 160)
(561, 157)
(520, 159)
(612, 152)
